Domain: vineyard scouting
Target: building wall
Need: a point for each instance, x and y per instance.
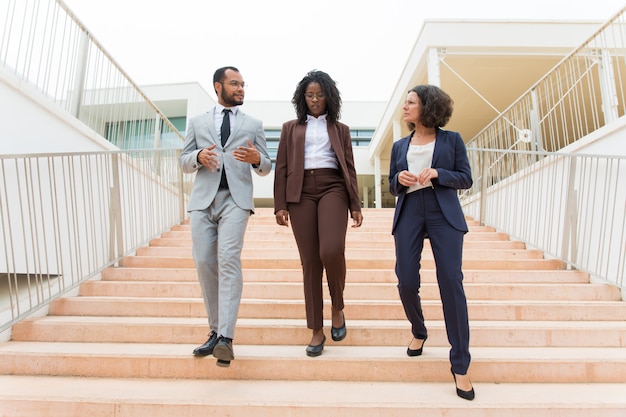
(32, 125)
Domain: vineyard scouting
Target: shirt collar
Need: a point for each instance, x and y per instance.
(320, 118)
(219, 108)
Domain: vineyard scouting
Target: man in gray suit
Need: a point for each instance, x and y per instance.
(222, 146)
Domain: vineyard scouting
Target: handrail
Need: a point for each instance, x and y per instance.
(580, 94)
(572, 207)
(47, 47)
(65, 217)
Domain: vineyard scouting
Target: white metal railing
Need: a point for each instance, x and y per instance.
(570, 206)
(66, 217)
(585, 91)
(45, 45)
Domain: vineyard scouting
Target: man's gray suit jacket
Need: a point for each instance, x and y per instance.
(202, 133)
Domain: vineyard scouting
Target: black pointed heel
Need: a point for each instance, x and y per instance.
(416, 352)
(466, 395)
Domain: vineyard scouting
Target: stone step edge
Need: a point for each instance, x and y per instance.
(86, 329)
(298, 323)
(470, 275)
(334, 351)
(117, 396)
(339, 363)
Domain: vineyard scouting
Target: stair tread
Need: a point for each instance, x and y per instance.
(313, 394)
(353, 275)
(332, 352)
(282, 322)
(253, 300)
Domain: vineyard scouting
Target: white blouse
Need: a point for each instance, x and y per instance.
(419, 157)
(317, 150)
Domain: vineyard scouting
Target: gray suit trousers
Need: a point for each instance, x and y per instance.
(217, 235)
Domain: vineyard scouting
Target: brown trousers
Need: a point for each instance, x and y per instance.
(319, 223)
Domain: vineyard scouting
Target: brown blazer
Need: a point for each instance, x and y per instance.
(289, 172)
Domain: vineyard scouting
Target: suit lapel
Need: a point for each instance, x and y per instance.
(239, 120)
(210, 121)
(438, 145)
(299, 138)
(335, 142)
(405, 152)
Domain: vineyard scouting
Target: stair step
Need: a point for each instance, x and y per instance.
(338, 363)
(376, 227)
(359, 309)
(283, 234)
(123, 397)
(359, 291)
(274, 262)
(354, 244)
(352, 275)
(293, 331)
(351, 254)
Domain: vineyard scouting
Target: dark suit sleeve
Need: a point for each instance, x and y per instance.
(397, 164)
(353, 192)
(458, 175)
(280, 171)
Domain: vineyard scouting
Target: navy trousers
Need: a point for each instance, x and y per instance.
(421, 216)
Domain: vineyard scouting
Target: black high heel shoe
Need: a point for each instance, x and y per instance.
(315, 350)
(339, 333)
(466, 395)
(416, 352)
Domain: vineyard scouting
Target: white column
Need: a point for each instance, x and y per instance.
(378, 194)
(607, 87)
(434, 72)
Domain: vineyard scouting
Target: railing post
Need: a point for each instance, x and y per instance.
(81, 71)
(181, 186)
(536, 143)
(157, 144)
(483, 187)
(115, 211)
(569, 246)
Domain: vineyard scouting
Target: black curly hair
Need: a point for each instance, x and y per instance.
(436, 106)
(329, 87)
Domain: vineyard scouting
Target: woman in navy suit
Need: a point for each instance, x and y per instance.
(426, 169)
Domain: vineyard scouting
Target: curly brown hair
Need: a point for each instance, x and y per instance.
(436, 106)
(329, 87)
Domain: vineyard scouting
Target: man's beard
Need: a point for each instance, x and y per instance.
(230, 101)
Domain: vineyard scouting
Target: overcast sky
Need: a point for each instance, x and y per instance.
(362, 44)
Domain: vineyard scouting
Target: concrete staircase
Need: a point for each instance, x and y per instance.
(544, 341)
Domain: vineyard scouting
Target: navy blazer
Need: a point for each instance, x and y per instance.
(450, 161)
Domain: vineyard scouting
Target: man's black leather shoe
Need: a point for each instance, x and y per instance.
(223, 363)
(208, 346)
(224, 349)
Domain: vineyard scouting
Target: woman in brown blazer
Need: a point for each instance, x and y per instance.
(315, 185)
